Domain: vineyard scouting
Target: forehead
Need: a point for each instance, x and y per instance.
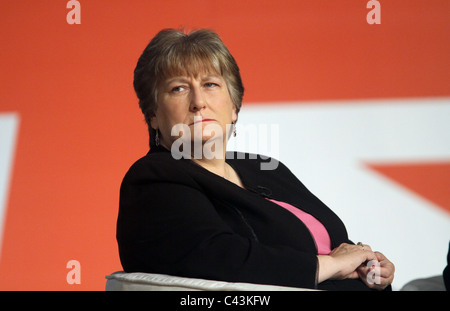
(191, 65)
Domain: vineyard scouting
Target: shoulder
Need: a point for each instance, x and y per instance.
(157, 167)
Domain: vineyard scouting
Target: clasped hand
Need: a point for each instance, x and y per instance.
(356, 261)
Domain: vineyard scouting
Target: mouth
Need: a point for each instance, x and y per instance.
(200, 121)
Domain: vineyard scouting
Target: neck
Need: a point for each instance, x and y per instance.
(211, 158)
(217, 166)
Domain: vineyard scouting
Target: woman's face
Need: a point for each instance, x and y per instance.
(196, 102)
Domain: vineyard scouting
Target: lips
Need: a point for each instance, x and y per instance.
(200, 121)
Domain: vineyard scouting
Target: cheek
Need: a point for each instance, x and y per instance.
(227, 107)
(168, 117)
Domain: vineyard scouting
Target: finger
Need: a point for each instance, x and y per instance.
(386, 265)
(353, 275)
(372, 280)
(377, 276)
(380, 256)
(374, 274)
(368, 266)
(370, 256)
(385, 281)
(383, 260)
(368, 253)
(383, 270)
(367, 247)
(387, 271)
(364, 277)
(364, 246)
(385, 275)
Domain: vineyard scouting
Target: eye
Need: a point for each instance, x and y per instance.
(211, 85)
(178, 89)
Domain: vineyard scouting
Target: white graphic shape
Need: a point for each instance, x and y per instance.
(9, 123)
(327, 144)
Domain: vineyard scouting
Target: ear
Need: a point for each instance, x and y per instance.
(154, 123)
(234, 115)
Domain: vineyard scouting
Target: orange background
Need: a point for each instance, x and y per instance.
(81, 128)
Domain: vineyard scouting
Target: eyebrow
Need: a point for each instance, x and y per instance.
(187, 79)
(212, 76)
(176, 79)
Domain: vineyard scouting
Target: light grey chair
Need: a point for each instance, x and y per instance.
(122, 281)
(434, 283)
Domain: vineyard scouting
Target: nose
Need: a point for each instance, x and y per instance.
(198, 100)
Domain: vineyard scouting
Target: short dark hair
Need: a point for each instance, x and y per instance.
(173, 52)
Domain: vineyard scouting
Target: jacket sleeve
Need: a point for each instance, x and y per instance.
(173, 228)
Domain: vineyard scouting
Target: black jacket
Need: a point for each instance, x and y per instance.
(178, 218)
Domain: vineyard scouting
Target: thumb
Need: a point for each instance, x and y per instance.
(353, 275)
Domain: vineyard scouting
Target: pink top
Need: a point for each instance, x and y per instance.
(317, 229)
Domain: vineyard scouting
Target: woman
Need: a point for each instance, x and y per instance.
(220, 216)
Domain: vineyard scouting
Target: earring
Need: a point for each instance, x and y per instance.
(157, 138)
(234, 129)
